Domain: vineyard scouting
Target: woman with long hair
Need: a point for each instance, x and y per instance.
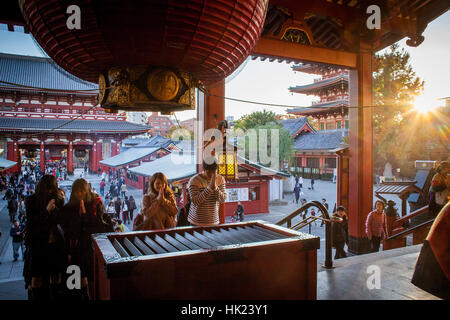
(83, 216)
(45, 258)
(159, 206)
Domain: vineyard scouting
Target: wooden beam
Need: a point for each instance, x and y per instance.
(301, 52)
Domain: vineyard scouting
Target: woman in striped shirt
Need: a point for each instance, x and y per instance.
(206, 190)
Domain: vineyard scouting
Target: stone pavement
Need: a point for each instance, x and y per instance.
(11, 280)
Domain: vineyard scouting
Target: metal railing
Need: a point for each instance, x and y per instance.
(328, 240)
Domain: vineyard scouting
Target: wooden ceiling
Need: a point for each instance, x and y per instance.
(333, 24)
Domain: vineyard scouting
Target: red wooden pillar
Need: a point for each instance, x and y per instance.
(70, 158)
(321, 164)
(94, 165)
(13, 155)
(42, 156)
(361, 152)
(214, 113)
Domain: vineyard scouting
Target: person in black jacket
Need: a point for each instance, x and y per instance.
(12, 208)
(118, 206)
(81, 217)
(44, 256)
(340, 232)
(240, 211)
(17, 234)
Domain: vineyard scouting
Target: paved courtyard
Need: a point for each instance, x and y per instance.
(11, 280)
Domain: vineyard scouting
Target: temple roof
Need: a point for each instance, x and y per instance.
(60, 125)
(310, 88)
(6, 164)
(129, 156)
(39, 72)
(318, 108)
(182, 165)
(295, 125)
(313, 68)
(320, 140)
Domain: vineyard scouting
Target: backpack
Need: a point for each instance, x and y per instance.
(182, 216)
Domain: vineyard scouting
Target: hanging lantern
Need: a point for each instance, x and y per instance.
(148, 55)
(227, 159)
(80, 153)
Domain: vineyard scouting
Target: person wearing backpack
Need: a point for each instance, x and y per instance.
(131, 208)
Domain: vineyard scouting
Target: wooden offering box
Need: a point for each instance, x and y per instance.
(247, 260)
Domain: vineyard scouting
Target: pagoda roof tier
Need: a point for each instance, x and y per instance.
(334, 107)
(313, 68)
(61, 125)
(319, 140)
(321, 84)
(39, 72)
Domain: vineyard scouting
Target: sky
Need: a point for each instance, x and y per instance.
(268, 82)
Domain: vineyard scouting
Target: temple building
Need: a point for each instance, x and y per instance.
(47, 114)
(331, 111)
(315, 151)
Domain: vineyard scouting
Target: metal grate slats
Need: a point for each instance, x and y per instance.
(259, 233)
(152, 244)
(249, 234)
(177, 244)
(165, 245)
(121, 250)
(199, 242)
(237, 236)
(141, 245)
(184, 240)
(131, 248)
(208, 240)
(273, 233)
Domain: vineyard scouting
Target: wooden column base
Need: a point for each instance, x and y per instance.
(358, 245)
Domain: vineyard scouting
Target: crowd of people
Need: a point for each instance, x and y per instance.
(54, 233)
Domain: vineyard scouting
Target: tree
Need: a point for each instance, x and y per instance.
(263, 123)
(395, 89)
(182, 133)
(258, 118)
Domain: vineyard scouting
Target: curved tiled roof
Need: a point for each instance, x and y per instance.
(28, 124)
(129, 156)
(39, 72)
(294, 125)
(320, 84)
(318, 107)
(318, 140)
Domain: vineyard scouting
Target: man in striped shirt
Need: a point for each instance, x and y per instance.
(207, 190)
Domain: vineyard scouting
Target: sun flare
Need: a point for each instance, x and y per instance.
(423, 105)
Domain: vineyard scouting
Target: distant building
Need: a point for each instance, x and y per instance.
(55, 118)
(189, 124)
(315, 155)
(159, 124)
(137, 117)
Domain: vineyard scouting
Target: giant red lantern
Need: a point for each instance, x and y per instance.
(148, 53)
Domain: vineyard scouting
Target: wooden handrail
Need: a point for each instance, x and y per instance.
(298, 211)
(327, 220)
(410, 230)
(412, 215)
